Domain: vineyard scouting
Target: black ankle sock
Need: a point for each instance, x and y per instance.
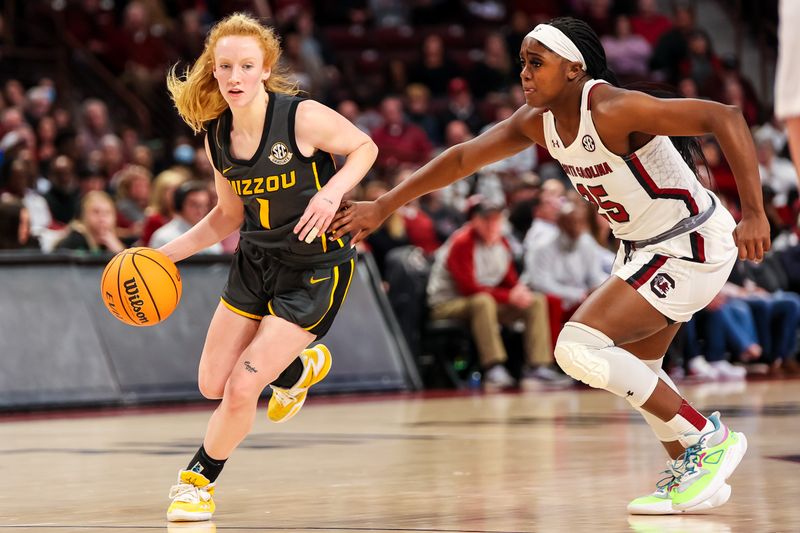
(203, 464)
(291, 375)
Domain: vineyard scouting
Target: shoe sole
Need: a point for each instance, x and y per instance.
(322, 375)
(734, 457)
(719, 498)
(181, 516)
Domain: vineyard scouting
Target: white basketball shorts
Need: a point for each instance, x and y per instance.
(681, 276)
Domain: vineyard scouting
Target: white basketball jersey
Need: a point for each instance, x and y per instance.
(642, 194)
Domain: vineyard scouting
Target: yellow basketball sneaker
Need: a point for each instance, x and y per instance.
(285, 403)
(192, 498)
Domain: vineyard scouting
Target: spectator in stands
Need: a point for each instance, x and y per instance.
(516, 169)
(600, 230)
(545, 214)
(63, 198)
(391, 235)
(133, 194)
(39, 183)
(522, 198)
(733, 94)
(202, 168)
(94, 231)
(111, 157)
(38, 103)
(446, 219)
(418, 104)
(494, 73)
(777, 314)
(90, 181)
(701, 63)
(649, 22)
(568, 264)
(728, 326)
(687, 88)
(598, 14)
(365, 121)
(190, 203)
(399, 141)
(189, 40)
(46, 149)
(721, 173)
(12, 119)
(94, 127)
(305, 64)
(434, 70)
(455, 194)
(461, 106)
(19, 186)
(627, 53)
(474, 279)
(673, 46)
(519, 26)
(420, 229)
(15, 94)
(729, 70)
(143, 51)
(15, 228)
(776, 172)
(160, 210)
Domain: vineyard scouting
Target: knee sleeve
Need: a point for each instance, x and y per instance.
(588, 355)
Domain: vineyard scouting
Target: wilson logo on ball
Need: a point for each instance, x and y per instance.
(132, 289)
(141, 286)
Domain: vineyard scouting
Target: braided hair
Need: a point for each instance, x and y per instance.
(587, 41)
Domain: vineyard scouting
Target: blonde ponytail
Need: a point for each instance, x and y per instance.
(196, 94)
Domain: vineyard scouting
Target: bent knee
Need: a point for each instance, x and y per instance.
(210, 388)
(482, 300)
(576, 353)
(241, 393)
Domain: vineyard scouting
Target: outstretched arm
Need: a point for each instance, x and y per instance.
(628, 112)
(507, 138)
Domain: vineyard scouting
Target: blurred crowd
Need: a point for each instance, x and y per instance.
(76, 173)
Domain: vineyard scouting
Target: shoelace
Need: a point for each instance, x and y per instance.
(676, 470)
(683, 465)
(186, 492)
(283, 396)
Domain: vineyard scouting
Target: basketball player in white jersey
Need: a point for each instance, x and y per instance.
(680, 243)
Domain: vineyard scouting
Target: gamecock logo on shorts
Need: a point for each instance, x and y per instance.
(662, 284)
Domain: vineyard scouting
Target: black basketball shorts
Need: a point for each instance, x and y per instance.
(258, 285)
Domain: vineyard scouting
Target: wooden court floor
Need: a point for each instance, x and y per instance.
(516, 462)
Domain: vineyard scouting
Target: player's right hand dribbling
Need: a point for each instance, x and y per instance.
(357, 218)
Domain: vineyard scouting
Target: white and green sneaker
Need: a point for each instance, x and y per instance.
(696, 480)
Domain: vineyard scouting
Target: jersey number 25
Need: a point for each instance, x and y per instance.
(596, 194)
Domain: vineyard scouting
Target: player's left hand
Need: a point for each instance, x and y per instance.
(317, 216)
(752, 237)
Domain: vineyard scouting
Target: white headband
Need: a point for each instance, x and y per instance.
(555, 40)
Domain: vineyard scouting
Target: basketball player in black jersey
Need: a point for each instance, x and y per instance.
(278, 185)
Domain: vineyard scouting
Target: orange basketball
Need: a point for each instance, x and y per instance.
(141, 286)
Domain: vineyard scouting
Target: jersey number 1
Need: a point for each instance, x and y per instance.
(595, 194)
(263, 212)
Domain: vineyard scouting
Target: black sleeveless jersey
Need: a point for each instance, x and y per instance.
(276, 185)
